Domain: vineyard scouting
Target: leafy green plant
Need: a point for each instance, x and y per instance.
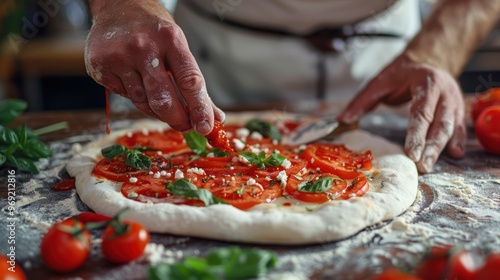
(133, 157)
(20, 146)
(228, 263)
(273, 160)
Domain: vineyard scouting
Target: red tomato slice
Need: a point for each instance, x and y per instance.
(337, 159)
(217, 138)
(296, 166)
(356, 188)
(337, 189)
(222, 166)
(167, 141)
(243, 192)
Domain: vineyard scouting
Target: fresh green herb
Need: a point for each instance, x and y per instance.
(224, 263)
(274, 160)
(198, 144)
(267, 129)
(19, 146)
(182, 187)
(133, 157)
(321, 185)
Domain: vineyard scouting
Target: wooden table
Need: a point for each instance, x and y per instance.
(458, 202)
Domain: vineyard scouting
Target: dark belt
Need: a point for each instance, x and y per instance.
(325, 40)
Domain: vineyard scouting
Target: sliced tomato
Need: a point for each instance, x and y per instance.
(357, 187)
(167, 141)
(337, 159)
(149, 188)
(336, 190)
(295, 166)
(222, 166)
(217, 138)
(243, 192)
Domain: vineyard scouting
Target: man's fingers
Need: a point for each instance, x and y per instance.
(456, 146)
(189, 80)
(162, 96)
(367, 99)
(132, 81)
(423, 107)
(440, 132)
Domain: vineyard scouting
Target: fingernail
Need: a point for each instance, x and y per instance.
(203, 127)
(416, 153)
(428, 162)
(222, 115)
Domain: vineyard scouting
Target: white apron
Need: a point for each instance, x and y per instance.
(246, 67)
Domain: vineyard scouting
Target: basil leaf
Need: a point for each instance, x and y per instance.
(321, 185)
(7, 136)
(22, 134)
(218, 152)
(3, 158)
(240, 263)
(35, 149)
(114, 151)
(197, 142)
(11, 109)
(274, 160)
(23, 164)
(137, 159)
(229, 263)
(143, 149)
(182, 187)
(265, 128)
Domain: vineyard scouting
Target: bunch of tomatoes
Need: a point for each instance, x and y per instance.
(67, 244)
(485, 113)
(448, 263)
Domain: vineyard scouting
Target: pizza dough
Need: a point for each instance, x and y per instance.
(393, 189)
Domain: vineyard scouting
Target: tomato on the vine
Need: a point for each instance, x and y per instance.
(446, 262)
(486, 99)
(66, 245)
(491, 268)
(488, 129)
(125, 241)
(10, 271)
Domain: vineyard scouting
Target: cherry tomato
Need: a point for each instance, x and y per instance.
(337, 159)
(395, 274)
(491, 268)
(127, 246)
(446, 263)
(217, 138)
(62, 250)
(488, 129)
(167, 141)
(10, 270)
(488, 98)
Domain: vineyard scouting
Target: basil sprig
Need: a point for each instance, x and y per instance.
(267, 129)
(133, 157)
(321, 185)
(223, 263)
(274, 160)
(182, 187)
(198, 144)
(20, 147)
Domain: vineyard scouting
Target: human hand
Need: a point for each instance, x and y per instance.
(129, 50)
(436, 116)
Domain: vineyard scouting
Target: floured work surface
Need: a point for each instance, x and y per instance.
(457, 203)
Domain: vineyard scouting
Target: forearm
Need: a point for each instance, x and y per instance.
(452, 32)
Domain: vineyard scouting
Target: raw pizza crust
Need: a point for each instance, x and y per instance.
(392, 190)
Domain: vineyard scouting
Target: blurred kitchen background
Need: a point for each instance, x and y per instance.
(42, 45)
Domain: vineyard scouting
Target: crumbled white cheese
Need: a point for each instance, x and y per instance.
(282, 177)
(145, 131)
(242, 133)
(159, 153)
(196, 170)
(254, 150)
(243, 159)
(286, 164)
(251, 182)
(312, 160)
(157, 175)
(129, 134)
(256, 136)
(275, 142)
(133, 195)
(163, 173)
(210, 155)
(238, 144)
(178, 174)
(168, 175)
(150, 173)
(132, 180)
